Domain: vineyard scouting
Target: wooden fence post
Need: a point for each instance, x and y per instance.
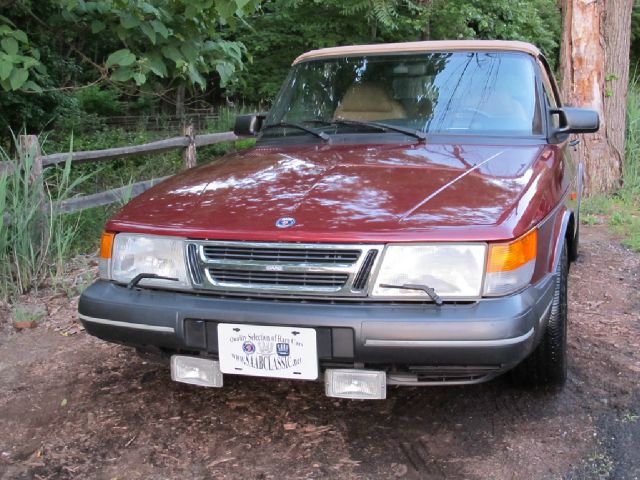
(30, 148)
(189, 154)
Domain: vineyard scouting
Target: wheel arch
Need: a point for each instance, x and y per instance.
(565, 231)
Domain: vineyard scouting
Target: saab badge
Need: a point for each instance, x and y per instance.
(285, 222)
(248, 347)
(282, 349)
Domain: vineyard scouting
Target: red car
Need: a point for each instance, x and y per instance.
(406, 217)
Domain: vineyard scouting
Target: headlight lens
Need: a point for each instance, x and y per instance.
(510, 266)
(453, 271)
(134, 254)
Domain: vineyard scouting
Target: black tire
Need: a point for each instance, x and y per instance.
(573, 251)
(546, 366)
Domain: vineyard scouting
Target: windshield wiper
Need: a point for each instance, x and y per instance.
(384, 127)
(135, 280)
(318, 121)
(424, 288)
(310, 131)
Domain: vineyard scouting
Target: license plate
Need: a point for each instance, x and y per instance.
(281, 352)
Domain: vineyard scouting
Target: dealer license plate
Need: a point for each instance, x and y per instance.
(282, 352)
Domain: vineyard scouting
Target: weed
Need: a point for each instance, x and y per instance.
(620, 218)
(35, 239)
(25, 313)
(590, 219)
(630, 417)
(601, 465)
(596, 205)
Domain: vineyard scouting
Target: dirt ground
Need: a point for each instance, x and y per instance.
(72, 406)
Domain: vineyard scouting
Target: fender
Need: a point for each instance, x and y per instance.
(560, 233)
(564, 218)
(580, 177)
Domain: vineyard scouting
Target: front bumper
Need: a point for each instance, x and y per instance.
(490, 335)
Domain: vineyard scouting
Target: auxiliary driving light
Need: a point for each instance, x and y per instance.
(356, 384)
(196, 371)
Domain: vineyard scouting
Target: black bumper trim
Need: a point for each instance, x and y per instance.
(137, 326)
(493, 331)
(450, 343)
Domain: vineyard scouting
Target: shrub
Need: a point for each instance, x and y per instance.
(104, 102)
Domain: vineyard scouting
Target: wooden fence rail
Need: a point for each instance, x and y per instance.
(188, 143)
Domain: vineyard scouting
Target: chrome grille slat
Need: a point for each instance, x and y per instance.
(363, 275)
(318, 276)
(196, 273)
(301, 255)
(287, 269)
(278, 278)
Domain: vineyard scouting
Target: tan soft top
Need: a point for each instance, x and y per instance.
(411, 47)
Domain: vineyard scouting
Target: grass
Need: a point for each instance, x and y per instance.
(25, 313)
(621, 211)
(35, 240)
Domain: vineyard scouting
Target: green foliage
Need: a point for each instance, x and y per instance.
(166, 40)
(388, 14)
(288, 28)
(635, 32)
(18, 59)
(101, 101)
(535, 21)
(149, 40)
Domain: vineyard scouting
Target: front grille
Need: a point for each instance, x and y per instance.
(282, 269)
(297, 279)
(281, 255)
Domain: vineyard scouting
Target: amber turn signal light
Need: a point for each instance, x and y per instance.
(509, 256)
(106, 244)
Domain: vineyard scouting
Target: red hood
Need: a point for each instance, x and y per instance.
(353, 193)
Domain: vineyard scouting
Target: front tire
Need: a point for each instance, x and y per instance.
(573, 253)
(546, 366)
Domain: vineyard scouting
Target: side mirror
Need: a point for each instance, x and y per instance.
(576, 120)
(248, 125)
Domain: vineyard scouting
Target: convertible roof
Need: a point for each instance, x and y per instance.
(412, 47)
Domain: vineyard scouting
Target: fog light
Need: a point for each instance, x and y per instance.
(196, 371)
(358, 384)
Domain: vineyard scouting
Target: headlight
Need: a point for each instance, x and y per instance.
(452, 270)
(510, 266)
(133, 254)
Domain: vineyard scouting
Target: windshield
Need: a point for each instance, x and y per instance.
(436, 93)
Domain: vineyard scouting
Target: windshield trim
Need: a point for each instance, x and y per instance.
(391, 138)
(431, 46)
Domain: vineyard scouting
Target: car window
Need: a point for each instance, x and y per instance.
(448, 92)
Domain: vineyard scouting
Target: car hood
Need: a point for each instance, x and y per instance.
(351, 193)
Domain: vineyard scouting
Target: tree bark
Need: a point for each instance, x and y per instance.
(594, 71)
(426, 31)
(180, 101)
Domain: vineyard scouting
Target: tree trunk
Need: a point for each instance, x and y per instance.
(426, 31)
(180, 101)
(594, 70)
